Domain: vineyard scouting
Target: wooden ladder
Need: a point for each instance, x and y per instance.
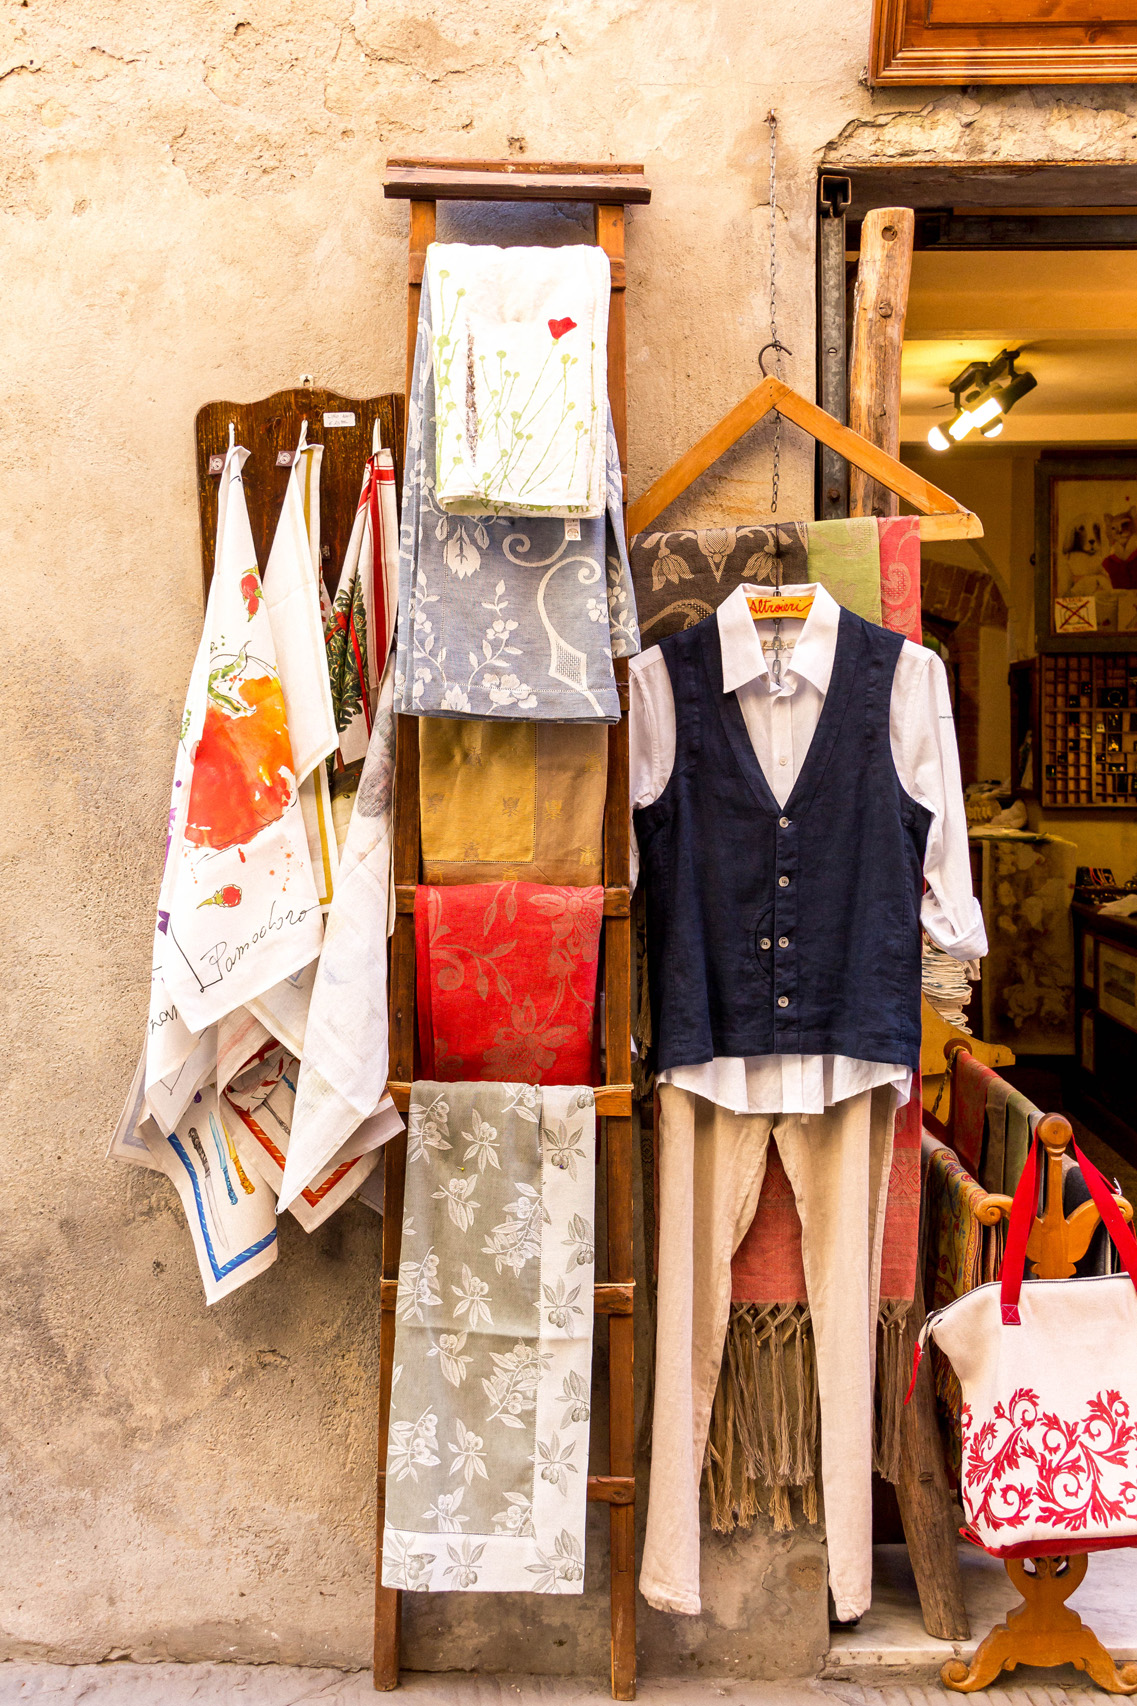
(609, 188)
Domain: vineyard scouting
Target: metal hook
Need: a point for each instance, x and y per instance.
(774, 345)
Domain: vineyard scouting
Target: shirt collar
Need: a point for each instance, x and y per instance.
(742, 656)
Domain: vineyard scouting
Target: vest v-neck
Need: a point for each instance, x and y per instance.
(845, 662)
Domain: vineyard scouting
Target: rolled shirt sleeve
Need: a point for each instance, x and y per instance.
(927, 762)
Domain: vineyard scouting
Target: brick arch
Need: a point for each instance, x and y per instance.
(964, 600)
(961, 595)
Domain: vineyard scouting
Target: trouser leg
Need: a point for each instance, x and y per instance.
(834, 1162)
(711, 1164)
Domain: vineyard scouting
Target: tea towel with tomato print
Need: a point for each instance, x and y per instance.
(487, 1456)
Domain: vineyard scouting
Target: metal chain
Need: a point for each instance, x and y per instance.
(772, 121)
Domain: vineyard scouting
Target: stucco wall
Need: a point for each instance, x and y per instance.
(192, 208)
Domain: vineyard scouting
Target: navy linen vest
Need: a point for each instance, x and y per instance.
(784, 930)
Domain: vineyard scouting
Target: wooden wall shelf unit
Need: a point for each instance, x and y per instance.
(1085, 735)
(271, 428)
(609, 187)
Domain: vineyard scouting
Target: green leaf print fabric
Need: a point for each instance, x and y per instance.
(487, 1456)
(520, 347)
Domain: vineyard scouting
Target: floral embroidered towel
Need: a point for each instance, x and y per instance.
(520, 347)
(487, 1456)
(506, 981)
(512, 801)
(360, 624)
(506, 617)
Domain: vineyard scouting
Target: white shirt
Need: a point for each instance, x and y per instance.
(781, 721)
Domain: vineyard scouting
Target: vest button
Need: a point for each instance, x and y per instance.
(783, 882)
(783, 1000)
(783, 941)
(764, 943)
(783, 823)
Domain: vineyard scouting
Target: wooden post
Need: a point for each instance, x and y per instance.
(880, 306)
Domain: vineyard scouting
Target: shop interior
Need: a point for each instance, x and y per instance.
(1017, 397)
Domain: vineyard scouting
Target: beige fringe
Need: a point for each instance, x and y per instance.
(764, 1441)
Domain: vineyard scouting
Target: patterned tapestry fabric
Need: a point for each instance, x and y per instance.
(512, 801)
(506, 981)
(999, 1093)
(487, 1458)
(961, 1254)
(520, 352)
(684, 576)
(900, 575)
(505, 617)
(969, 1085)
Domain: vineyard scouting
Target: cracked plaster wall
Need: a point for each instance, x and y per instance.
(191, 206)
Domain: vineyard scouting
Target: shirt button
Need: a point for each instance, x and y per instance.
(783, 941)
(783, 761)
(764, 943)
(783, 882)
(783, 1000)
(783, 823)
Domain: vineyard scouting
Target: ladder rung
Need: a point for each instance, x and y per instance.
(609, 1298)
(617, 901)
(602, 1489)
(613, 1101)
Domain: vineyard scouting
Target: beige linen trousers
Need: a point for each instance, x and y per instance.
(711, 1166)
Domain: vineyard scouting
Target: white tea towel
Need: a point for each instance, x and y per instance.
(521, 373)
(230, 1209)
(343, 1065)
(240, 902)
(359, 627)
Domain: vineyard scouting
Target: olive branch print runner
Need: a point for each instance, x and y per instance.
(487, 1457)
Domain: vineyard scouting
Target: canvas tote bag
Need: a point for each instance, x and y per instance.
(1049, 1376)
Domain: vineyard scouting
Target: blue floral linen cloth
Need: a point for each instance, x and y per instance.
(500, 616)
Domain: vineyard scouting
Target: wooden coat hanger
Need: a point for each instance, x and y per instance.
(940, 515)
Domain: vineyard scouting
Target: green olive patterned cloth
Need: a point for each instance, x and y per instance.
(487, 1456)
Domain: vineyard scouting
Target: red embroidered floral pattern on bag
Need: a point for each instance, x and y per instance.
(1026, 1464)
(506, 982)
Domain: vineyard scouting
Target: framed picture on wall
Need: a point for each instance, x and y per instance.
(1086, 553)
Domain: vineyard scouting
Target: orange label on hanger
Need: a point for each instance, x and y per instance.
(764, 606)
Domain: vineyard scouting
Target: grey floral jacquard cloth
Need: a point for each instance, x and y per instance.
(506, 617)
(487, 1457)
(684, 576)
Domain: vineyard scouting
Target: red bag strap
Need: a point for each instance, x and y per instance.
(1018, 1231)
(1106, 1204)
(1022, 1215)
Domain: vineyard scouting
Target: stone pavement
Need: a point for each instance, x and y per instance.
(121, 1684)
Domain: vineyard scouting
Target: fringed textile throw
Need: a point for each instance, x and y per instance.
(765, 1423)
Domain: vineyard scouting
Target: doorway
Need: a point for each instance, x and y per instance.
(1033, 268)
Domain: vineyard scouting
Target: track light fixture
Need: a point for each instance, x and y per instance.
(981, 404)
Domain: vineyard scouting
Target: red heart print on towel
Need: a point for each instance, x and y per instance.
(560, 327)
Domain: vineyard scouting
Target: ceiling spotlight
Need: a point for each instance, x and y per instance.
(980, 403)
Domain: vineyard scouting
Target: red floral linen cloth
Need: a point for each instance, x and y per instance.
(900, 575)
(506, 982)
